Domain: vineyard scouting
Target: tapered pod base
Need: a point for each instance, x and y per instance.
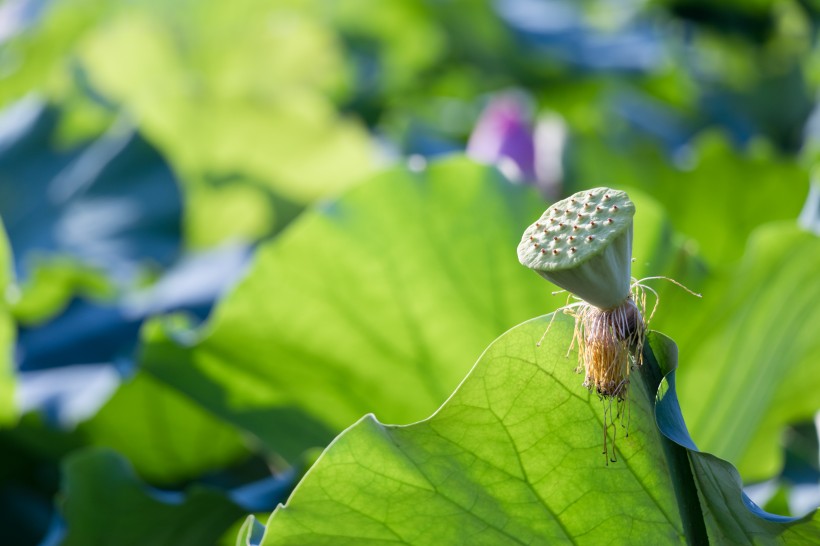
(609, 342)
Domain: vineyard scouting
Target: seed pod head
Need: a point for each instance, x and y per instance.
(584, 245)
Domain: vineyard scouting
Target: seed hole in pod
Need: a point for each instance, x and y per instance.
(568, 212)
(580, 215)
(606, 197)
(546, 230)
(571, 237)
(535, 245)
(575, 227)
(561, 225)
(555, 251)
(589, 237)
(532, 238)
(572, 249)
(614, 208)
(609, 220)
(592, 224)
(598, 208)
(572, 200)
(543, 251)
(537, 225)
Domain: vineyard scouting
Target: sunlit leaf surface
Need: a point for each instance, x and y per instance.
(514, 456)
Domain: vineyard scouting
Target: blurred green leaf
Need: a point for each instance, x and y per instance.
(514, 456)
(268, 120)
(8, 409)
(35, 61)
(752, 350)
(405, 50)
(377, 302)
(166, 436)
(103, 502)
(403, 34)
(717, 200)
(371, 301)
(29, 476)
(231, 211)
(52, 284)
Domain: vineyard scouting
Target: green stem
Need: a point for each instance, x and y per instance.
(677, 457)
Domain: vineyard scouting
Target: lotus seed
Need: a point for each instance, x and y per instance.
(609, 322)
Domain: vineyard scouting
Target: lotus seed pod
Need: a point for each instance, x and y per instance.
(584, 245)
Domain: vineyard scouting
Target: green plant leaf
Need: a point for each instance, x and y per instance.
(371, 301)
(54, 281)
(379, 302)
(34, 60)
(103, 502)
(271, 123)
(8, 410)
(752, 350)
(730, 516)
(167, 437)
(514, 457)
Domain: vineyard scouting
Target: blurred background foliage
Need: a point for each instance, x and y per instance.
(152, 154)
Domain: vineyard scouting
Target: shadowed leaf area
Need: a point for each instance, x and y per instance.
(99, 479)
